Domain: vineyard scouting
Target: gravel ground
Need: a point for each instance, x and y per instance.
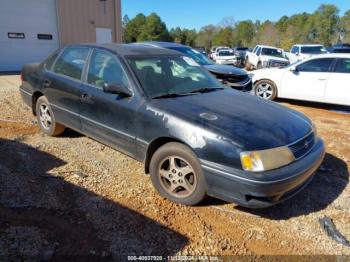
(71, 196)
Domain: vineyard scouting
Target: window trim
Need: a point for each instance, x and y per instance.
(330, 68)
(87, 67)
(69, 77)
(335, 65)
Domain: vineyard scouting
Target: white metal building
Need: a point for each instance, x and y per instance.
(32, 29)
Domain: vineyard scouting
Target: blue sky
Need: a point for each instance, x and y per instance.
(197, 13)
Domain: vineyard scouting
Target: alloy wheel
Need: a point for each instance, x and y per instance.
(177, 177)
(45, 116)
(264, 90)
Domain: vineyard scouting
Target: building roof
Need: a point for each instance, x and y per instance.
(132, 49)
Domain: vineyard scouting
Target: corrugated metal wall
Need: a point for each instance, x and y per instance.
(78, 19)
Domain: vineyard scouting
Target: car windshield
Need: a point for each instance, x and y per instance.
(313, 50)
(173, 75)
(226, 53)
(195, 55)
(242, 48)
(272, 52)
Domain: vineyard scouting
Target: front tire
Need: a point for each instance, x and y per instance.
(259, 66)
(265, 89)
(46, 118)
(248, 66)
(177, 174)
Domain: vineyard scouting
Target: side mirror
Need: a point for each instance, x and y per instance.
(118, 89)
(293, 69)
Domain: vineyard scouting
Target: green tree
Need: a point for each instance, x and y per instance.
(134, 28)
(327, 21)
(244, 33)
(154, 29)
(344, 27)
(224, 37)
(205, 36)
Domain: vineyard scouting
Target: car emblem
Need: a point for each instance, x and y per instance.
(306, 145)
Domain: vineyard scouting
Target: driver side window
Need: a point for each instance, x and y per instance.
(105, 68)
(316, 65)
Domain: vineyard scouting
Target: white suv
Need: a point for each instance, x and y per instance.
(301, 52)
(266, 56)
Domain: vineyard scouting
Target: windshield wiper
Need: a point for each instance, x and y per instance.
(170, 95)
(206, 90)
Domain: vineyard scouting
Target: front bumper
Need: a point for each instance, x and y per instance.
(264, 189)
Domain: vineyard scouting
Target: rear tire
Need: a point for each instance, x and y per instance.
(46, 118)
(265, 89)
(177, 174)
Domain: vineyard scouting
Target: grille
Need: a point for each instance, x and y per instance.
(237, 78)
(277, 63)
(303, 146)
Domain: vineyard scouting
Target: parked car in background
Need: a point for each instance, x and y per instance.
(217, 50)
(201, 50)
(240, 53)
(226, 57)
(194, 137)
(265, 56)
(340, 48)
(324, 79)
(301, 52)
(230, 76)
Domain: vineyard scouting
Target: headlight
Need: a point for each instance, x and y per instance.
(264, 160)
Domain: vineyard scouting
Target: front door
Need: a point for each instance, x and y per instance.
(109, 118)
(308, 81)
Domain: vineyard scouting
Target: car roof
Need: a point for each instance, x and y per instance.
(130, 49)
(308, 45)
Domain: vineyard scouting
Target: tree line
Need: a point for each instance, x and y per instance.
(324, 26)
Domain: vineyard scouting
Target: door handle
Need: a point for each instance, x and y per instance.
(322, 79)
(47, 83)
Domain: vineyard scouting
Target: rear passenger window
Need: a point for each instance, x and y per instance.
(316, 65)
(49, 61)
(71, 62)
(343, 66)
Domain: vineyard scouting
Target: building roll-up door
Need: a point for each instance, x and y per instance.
(28, 32)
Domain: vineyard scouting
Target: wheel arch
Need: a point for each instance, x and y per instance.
(155, 145)
(35, 98)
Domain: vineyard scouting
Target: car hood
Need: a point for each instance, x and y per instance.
(250, 122)
(225, 69)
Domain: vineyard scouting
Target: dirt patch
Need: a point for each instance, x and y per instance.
(13, 129)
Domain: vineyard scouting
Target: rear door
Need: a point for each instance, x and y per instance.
(338, 86)
(309, 80)
(109, 118)
(63, 86)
